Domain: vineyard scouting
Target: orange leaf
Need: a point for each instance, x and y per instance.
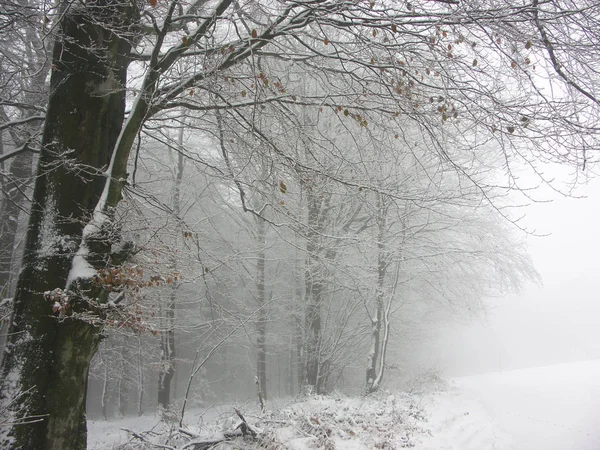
(254, 34)
(152, 3)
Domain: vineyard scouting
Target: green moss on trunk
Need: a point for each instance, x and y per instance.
(47, 360)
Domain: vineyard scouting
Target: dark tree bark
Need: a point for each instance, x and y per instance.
(84, 118)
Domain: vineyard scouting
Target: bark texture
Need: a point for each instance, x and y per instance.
(44, 372)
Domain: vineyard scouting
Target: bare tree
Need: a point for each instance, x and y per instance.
(24, 67)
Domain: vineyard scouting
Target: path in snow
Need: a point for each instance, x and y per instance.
(549, 408)
(546, 408)
(458, 421)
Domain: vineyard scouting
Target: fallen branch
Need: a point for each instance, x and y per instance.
(246, 429)
(197, 442)
(146, 441)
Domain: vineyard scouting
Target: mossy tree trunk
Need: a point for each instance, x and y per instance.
(44, 372)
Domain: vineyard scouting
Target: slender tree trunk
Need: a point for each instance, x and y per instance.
(10, 209)
(376, 321)
(123, 387)
(292, 358)
(46, 364)
(11, 206)
(140, 379)
(14, 200)
(261, 364)
(298, 338)
(381, 329)
(314, 287)
(105, 392)
(167, 354)
(167, 339)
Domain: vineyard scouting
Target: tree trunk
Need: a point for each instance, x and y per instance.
(298, 337)
(376, 322)
(381, 324)
(12, 204)
(10, 209)
(292, 359)
(314, 287)
(261, 327)
(123, 387)
(14, 198)
(167, 338)
(167, 354)
(140, 379)
(14, 201)
(104, 398)
(44, 372)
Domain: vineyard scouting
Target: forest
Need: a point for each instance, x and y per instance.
(207, 200)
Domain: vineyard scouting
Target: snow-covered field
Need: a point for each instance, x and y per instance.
(550, 408)
(556, 407)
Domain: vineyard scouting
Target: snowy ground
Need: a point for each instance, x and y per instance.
(548, 408)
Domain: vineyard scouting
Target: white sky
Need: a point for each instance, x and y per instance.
(553, 323)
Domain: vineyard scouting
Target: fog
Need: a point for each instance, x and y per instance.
(548, 324)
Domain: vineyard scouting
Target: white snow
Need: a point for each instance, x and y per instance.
(550, 408)
(80, 267)
(49, 238)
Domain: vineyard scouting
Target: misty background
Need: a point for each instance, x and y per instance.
(549, 324)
